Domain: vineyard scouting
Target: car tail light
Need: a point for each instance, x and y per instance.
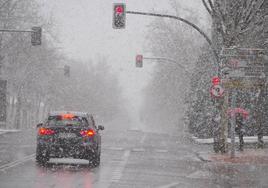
(67, 116)
(88, 133)
(45, 131)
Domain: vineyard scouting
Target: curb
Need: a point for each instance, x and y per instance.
(209, 141)
(199, 156)
(246, 159)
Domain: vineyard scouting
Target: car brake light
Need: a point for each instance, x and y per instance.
(45, 131)
(88, 133)
(67, 116)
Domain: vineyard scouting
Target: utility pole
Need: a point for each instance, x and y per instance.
(194, 26)
(170, 61)
(3, 98)
(3, 102)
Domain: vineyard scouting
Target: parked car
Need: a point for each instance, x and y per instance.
(69, 134)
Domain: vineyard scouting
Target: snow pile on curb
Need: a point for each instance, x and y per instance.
(247, 139)
(4, 131)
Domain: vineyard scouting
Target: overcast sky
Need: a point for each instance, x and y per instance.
(85, 30)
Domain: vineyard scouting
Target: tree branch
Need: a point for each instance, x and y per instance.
(4, 4)
(254, 8)
(206, 6)
(211, 5)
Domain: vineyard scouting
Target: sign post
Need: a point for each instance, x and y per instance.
(3, 102)
(233, 124)
(241, 69)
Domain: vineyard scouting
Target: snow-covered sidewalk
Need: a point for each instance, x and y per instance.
(4, 131)
(247, 139)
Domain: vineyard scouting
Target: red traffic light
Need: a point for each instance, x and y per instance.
(119, 9)
(216, 80)
(139, 58)
(139, 61)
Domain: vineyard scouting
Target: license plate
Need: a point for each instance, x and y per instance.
(67, 135)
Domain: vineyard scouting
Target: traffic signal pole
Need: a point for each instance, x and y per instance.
(222, 104)
(36, 34)
(198, 29)
(15, 31)
(168, 60)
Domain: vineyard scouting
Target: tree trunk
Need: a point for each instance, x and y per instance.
(18, 112)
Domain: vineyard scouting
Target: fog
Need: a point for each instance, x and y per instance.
(84, 29)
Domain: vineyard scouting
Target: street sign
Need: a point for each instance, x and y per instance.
(242, 63)
(243, 68)
(216, 91)
(243, 83)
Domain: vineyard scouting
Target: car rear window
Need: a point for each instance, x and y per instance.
(63, 121)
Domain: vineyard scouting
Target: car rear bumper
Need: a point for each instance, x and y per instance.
(81, 151)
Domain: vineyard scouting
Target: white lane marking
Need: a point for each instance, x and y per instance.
(199, 175)
(117, 174)
(161, 151)
(169, 185)
(135, 129)
(114, 148)
(17, 162)
(138, 150)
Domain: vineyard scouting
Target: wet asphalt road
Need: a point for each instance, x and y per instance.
(130, 158)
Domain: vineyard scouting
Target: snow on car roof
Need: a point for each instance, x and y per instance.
(81, 114)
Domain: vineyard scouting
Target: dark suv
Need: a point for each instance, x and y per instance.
(69, 134)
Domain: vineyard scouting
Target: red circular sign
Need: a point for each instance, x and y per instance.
(216, 80)
(119, 9)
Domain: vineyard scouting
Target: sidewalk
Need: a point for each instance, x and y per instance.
(5, 131)
(248, 156)
(247, 140)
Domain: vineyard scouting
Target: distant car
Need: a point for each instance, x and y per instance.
(69, 134)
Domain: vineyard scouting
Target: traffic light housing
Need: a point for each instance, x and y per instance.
(139, 61)
(119, 16)
(36, 36)
(66, 70)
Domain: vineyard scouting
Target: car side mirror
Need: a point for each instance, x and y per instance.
(39, 125)
(100, 127)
